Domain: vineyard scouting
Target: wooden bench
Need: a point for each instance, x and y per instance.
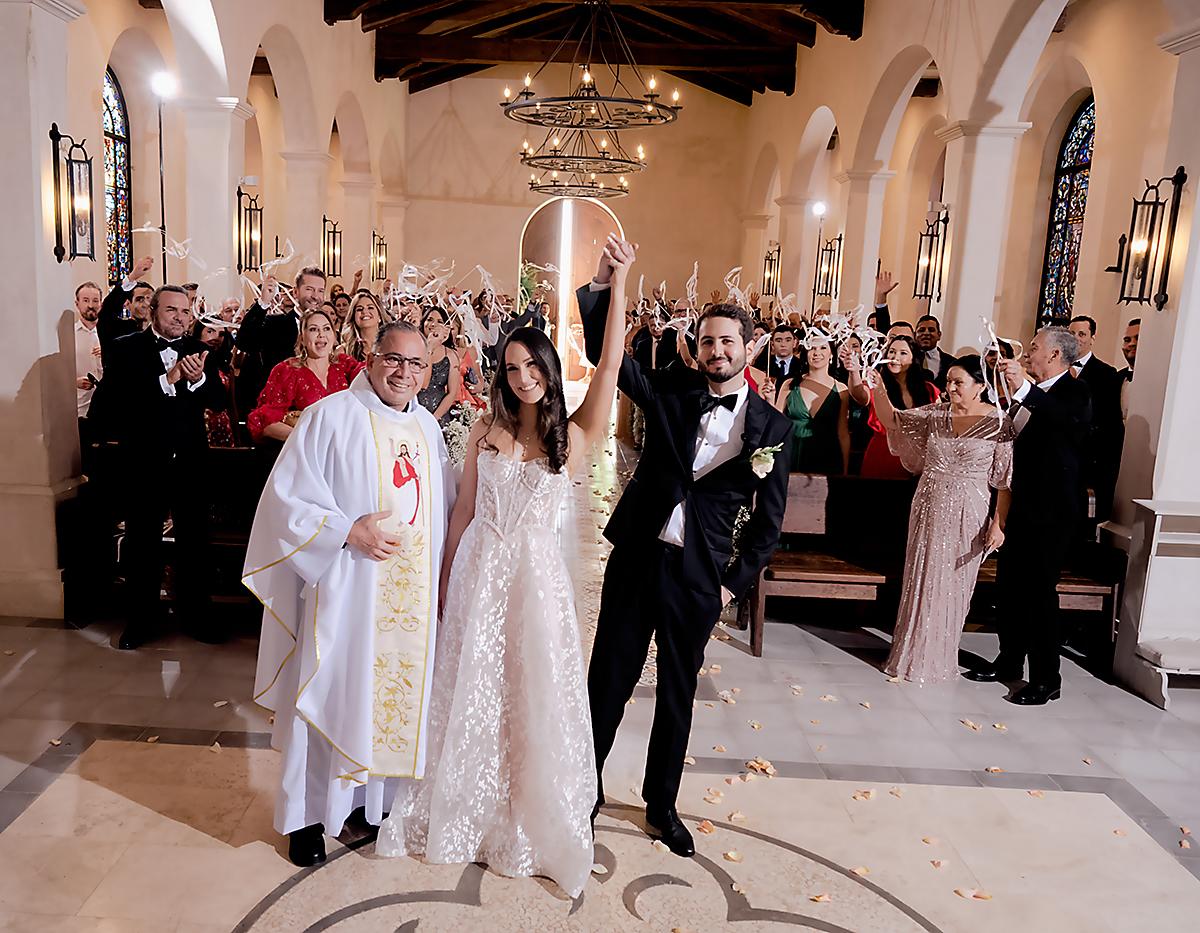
(1076, 592)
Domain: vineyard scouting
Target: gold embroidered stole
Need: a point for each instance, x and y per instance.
(403, 596)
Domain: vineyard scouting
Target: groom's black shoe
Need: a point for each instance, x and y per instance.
(306, 846)
(1035, 695)
(667, 825)
(990, 673)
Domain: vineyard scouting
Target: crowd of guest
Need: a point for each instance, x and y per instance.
(162, 381)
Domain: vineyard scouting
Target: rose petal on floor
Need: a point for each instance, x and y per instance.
(706, 827)
(732, 856)
(820, 898)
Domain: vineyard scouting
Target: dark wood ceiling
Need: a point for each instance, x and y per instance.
(731, 47)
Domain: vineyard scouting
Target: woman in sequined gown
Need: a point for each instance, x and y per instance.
(510, 775)
(961, 450)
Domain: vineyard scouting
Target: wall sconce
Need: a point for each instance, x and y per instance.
(1144, 256)
(770, 279)
(331, 248)
(931, 252)
(249, 231)
(81, 239)
(829, 269)
(378, 257)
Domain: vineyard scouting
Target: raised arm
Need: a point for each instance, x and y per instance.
(883, 404)
(591, 418)
(685, 352)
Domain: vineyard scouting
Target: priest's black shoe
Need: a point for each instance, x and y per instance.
(1034, 695)
(359, 826)
(132, 638)
(306, 846)
(667, 826)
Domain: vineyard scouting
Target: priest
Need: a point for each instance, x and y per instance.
(344, 556)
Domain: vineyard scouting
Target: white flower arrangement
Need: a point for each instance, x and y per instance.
(762, 461)
(456, 430)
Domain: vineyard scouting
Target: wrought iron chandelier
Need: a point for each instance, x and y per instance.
(586, 161)
(597, 38)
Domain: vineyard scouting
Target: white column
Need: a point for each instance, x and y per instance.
(754, 248)
(979, 169)
(214, 133)
(860, 243)
(40, 464)
(358, 219)
(307, 179)
(798, 247)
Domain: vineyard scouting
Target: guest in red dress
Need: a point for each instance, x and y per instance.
(317, 370)
(907, 387)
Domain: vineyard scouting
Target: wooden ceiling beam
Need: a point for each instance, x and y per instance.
(734, 87)
(395, 13)
(442, 74)
(783, 26)
(633, 13)
(454, 49)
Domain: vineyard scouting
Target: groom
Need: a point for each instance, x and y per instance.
(707, 455)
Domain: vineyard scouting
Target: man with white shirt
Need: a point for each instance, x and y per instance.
(1052, 413)
(936, 361)
(712, 448)
(157, 384)
(87, 346)
(1107, 435)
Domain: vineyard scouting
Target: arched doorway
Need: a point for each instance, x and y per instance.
(568, 234)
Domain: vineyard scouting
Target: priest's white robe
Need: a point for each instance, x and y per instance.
(323, 636)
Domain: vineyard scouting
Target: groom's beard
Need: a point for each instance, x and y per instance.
(720, 370)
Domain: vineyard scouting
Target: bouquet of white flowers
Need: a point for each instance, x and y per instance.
(456, 428)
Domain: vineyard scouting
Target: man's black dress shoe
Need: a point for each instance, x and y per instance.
(990, 674)
(359, 826)
(670, 829)
(1034, 695)
(132, 638)
(306, 846)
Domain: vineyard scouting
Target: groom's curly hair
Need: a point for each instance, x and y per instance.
(732, 312)
(552, 409)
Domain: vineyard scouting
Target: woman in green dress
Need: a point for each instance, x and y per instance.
(818, 406)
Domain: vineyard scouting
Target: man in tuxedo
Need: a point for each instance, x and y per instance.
(1129, 342)
(934, 359)
(1107, 435)
(157, 383)
(126, 309)
(672, 569)
(269, 330)
(778, 359)
(654, 346)
(1051, 412)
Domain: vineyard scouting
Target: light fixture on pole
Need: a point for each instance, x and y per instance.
(770, 279)
(331, 248)
(1144, 257)
(80, 229)
(931, 254)
(164, 86)
(379, 259)
(249, 231)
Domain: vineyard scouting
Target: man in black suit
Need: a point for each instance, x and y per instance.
(270, 328)
(1107, 435)
(1129, 342)
(1046, 508)
(157, 383)
(655, 347)
(934, 359)
(126, 309)
(672, 567)
(778, 359)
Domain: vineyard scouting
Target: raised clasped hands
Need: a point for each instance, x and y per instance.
(617, 253)
(369, 539)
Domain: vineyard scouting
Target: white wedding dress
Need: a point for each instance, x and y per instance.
(510, 776)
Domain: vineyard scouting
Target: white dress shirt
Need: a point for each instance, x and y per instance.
(718, 441)
(1081, 362)
(783, 365)
(87, 360)
(933, 360)
(1022, 415)
(170, 357)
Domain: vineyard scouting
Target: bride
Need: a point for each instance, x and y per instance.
(510, 776)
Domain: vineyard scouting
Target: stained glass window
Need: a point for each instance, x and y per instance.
(1065, 229)
(117, 183)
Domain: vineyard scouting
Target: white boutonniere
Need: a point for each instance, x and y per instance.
(762, 461)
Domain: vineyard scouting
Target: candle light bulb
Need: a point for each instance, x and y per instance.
(675, 96)
(554, 174)
(587, 76)
(593, 176)
(653, 82)
(604, 144)
(554, 143)
(528, 80)
(507, 92)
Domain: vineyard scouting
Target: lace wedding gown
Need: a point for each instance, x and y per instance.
(510, 777)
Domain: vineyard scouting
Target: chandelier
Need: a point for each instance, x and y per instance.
(597, 36)
(584, 161)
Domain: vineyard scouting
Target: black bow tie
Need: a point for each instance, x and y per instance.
(164, 344)
(709, 402)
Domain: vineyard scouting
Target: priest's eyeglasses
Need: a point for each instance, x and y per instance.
(396, 361)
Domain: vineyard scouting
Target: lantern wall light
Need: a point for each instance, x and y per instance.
(379, 258)
(770, 279)
(1144, 255)
(81, 240)
(931, 255)
(249, 231)
(331, 248)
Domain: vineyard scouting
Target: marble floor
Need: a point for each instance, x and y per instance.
(136, 795)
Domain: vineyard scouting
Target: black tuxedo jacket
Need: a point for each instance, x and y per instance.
(945, 361)
(664, 477)
(1048, 487)
(1105, 384)
(665, 357)
(152, 426)
(110, 326)
(766, 362)
(272, 337)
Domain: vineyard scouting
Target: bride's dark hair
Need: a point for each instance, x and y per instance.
(552, 409)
